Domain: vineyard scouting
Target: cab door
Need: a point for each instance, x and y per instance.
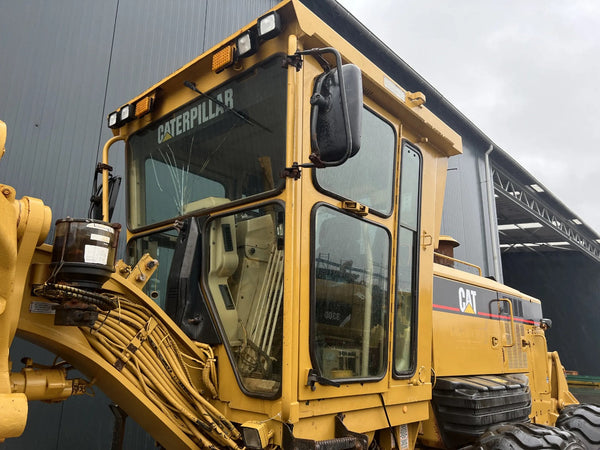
(348, 214)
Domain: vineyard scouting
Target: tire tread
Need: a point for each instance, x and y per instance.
(526, 436)
(584, 422)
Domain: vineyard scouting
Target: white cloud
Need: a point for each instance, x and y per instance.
(526, 73)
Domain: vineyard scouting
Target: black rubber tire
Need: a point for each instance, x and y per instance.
(526, 436)
(584, 422)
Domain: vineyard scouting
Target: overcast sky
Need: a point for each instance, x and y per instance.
(525, 72)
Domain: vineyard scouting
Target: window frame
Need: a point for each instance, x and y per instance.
(384, 214)
(132, 259)
(414, 335)
(204, 283)
(312, 301)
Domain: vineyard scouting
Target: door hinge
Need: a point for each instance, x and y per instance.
(295, 171)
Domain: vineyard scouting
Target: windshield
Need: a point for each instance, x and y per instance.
(225, 145)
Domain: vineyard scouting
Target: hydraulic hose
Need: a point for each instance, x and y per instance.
(133, 340)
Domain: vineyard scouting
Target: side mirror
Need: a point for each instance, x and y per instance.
(336, 116)
(114, 183)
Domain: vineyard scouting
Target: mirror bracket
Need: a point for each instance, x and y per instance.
(295, 171)
(294, 60)
(114, 182)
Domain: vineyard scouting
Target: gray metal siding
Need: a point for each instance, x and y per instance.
(465, 207)
(53, 67)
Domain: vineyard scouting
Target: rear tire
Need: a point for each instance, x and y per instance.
(526, 436)
(584, 422)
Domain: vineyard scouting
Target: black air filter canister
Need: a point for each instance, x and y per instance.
(84, 252)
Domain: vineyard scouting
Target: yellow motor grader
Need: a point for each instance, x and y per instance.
(284, 199)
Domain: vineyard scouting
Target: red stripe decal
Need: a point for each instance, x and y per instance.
(449, 308)
(516, 319)
(491, 316)
(530, 322)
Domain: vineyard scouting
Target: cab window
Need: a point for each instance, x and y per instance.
(407, 262)
(350, 296)
(244, 275)
(367, 177)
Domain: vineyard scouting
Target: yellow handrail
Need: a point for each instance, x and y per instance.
(450, 258)
(105, 171)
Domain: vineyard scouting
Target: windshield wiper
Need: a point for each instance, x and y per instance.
(191, 85)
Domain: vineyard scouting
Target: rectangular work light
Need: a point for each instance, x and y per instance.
(127, 113)
(113, 119)
(131, 111)
(269, 26)
(256, 435)
(119, 118)
(144, 106)
(246, 44)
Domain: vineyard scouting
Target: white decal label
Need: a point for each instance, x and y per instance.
(95, 255)
(99, 226)
(42, 308)
(467, 300)
(394, 89)
(99, 237)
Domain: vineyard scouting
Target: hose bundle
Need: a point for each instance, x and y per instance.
(65, 292)
(132, 339)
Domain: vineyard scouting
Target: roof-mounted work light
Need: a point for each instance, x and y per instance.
(126, 113)
(144, 106)
(269, 26)
(131, 111)
(119, 118)
(246, 44)
(113, 119)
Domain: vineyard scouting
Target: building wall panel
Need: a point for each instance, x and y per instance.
(54, 62)
(465, 211)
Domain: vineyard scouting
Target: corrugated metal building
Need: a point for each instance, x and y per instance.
(65, 64)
